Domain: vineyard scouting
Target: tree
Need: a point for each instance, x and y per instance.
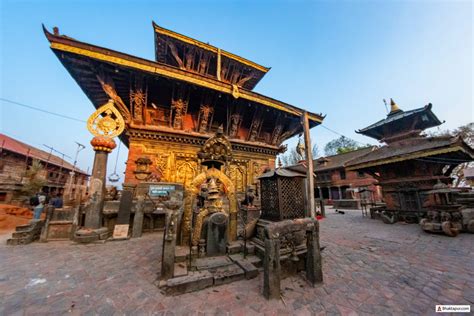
(340, 145)
(466, 132)
(34, 179)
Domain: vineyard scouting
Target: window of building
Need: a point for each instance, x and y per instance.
(360, 174)
(3, 196)
(342, 174)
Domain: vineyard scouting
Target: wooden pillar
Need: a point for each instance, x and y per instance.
(314, 270)
(309, 161)
(340, 192)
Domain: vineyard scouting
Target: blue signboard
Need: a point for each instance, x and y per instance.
(160, 190)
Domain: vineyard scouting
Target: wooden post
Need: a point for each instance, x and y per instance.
(309, 162)
(218, 64)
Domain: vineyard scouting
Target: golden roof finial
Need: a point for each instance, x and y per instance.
(393, 106)
(106, 121)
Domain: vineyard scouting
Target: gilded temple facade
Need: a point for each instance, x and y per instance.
(173, 105)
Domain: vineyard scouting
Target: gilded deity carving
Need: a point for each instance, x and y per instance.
(185, 171)
(235, 120)
(212, 205)
(138, 102)
(276, 134)
(161, 166)
(179, 112)
(205, 113)
(237, 175)
(255, 129)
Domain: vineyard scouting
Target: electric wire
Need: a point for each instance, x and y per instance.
(41, 110)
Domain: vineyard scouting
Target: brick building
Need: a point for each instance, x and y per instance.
(16, 157)
(334, 182)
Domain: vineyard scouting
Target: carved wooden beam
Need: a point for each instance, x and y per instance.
(109, 88)
(174, 52)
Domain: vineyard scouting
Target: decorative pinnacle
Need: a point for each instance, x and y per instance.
(393, 106)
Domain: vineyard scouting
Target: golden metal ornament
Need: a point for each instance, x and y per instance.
(106, 121)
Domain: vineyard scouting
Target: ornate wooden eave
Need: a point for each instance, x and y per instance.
(199, 140)
(60, 44)
(161, 30)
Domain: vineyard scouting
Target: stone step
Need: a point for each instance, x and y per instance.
(250, 270)
(22, 228)
(21, 234)
(228, 274)
(20, 241)
(181, 253)
(180, 269)
(194, 281)
(256, 261)
(212, 262)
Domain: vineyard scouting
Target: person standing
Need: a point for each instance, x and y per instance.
(39, 208)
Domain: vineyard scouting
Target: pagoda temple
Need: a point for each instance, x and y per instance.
(173, 105)
(410, 163)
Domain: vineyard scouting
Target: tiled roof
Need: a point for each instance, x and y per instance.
(13, 145)
(333, 162)
(377, 131)
(405, 150)
(340, 160)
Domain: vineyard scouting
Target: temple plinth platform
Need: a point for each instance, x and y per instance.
(209, 271)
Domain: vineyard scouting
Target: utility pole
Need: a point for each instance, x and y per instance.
(73, 173)
(309, 162)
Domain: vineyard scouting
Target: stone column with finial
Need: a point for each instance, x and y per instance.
(105, 124)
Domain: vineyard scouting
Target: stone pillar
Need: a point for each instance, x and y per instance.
(340, 192)
(314, 271)
(271, 269)
(138, 217)
(102, 146)
(169, 245)
(320, 193)
(329, 193)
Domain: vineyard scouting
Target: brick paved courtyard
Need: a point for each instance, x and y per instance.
(369, 268)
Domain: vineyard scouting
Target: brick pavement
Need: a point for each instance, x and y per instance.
(369, 268)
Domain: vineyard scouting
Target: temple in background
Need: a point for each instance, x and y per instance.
(410, 163)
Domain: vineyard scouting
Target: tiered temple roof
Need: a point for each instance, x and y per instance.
(182, 93)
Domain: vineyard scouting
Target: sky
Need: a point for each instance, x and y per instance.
(338, 58)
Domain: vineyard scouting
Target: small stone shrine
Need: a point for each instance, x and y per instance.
(286, 239)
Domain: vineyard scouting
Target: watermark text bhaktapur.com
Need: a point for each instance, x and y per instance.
(453, 308)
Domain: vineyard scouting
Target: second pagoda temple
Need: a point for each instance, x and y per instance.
(172, 105)
(410, 163)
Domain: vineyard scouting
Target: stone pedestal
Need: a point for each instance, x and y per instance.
(216, 242)
(249, 213)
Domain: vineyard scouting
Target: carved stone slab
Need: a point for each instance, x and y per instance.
(125, 208)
